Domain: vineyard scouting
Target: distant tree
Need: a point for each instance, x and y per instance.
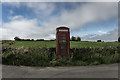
(119, 39)
(73, 38)
(78, 39)
(52, 40)
(22, 39)
(17, 39)
(28, 40)
(32, 39)
(40, 40)
(98, 40)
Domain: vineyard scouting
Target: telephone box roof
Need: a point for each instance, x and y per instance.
(62, 27)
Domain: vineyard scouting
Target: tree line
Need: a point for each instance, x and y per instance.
(73, 38)
(19, 39)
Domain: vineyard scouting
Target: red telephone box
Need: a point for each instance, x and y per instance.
(62, 41)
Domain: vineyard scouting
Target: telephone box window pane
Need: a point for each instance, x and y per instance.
(63, 30)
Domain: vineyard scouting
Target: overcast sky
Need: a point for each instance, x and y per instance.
(35, 20)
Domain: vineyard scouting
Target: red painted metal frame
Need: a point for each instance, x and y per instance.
(58, 33)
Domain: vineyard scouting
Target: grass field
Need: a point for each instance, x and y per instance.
(73, 44)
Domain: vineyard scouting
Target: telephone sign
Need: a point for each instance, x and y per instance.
(63, 41)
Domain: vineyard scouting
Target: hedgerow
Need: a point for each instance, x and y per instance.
(36, 56)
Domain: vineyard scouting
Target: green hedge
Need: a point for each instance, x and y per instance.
(97, 55)
(47, 56)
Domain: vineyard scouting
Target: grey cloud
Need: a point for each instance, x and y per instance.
(110, 36)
